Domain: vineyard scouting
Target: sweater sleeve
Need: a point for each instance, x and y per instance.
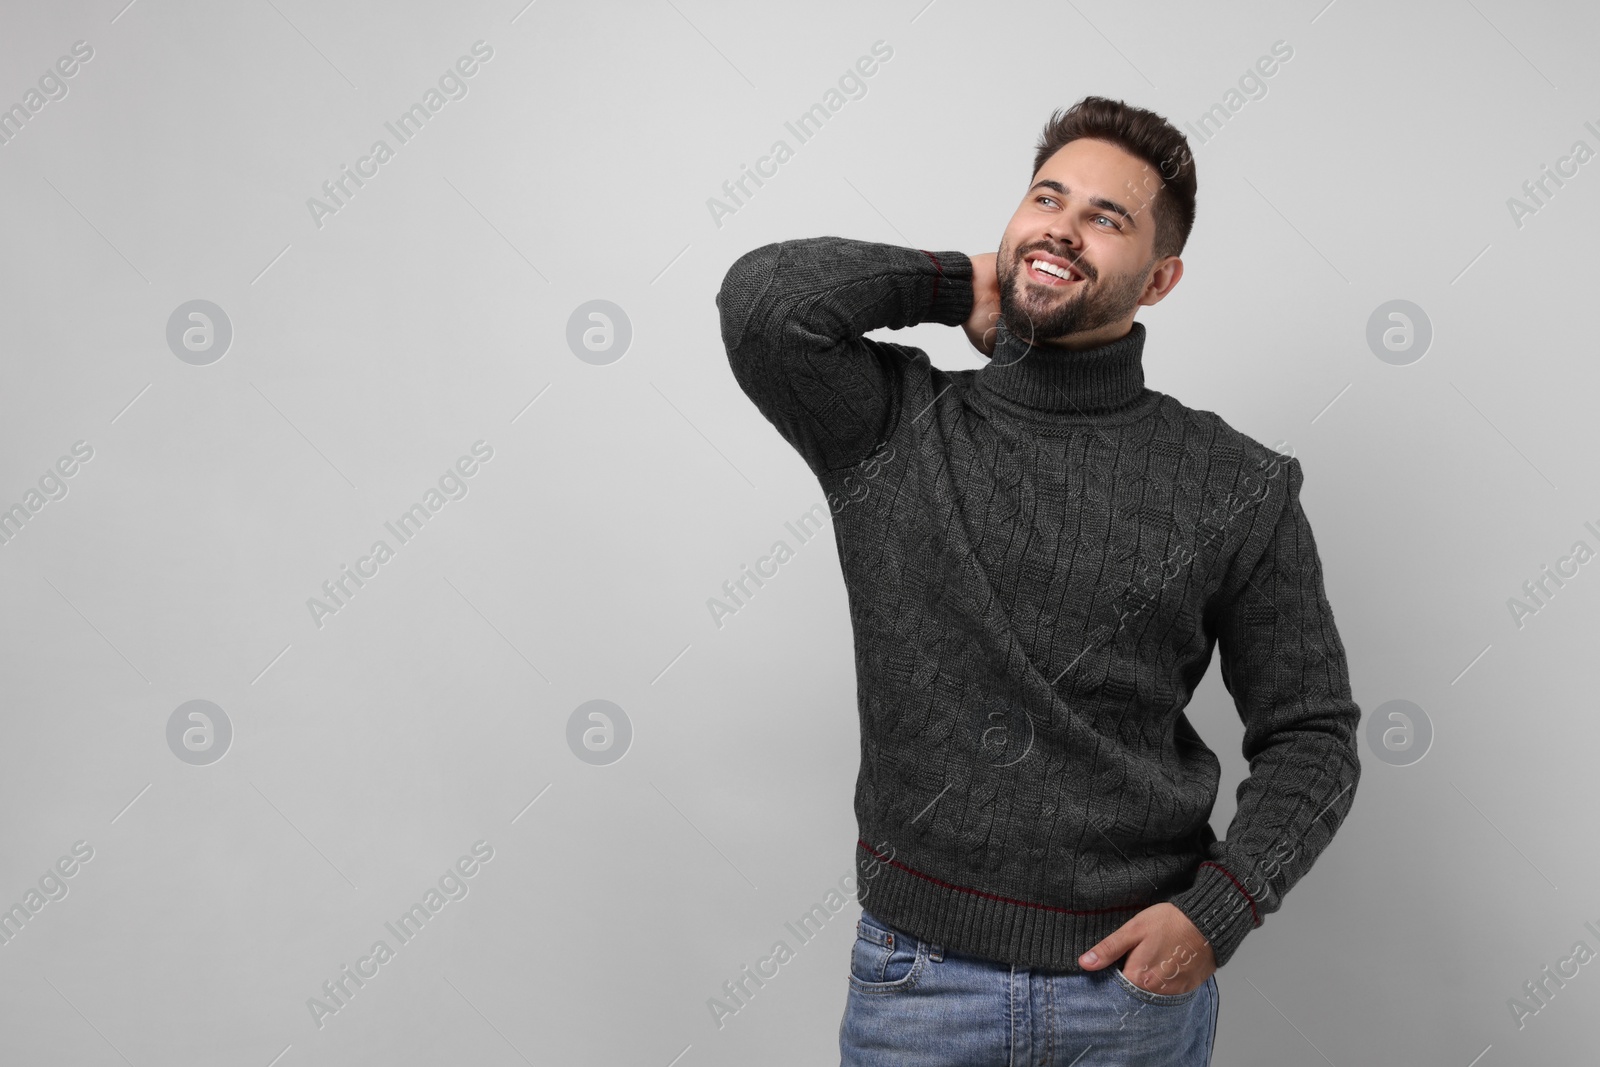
(793, 314)
(1284, 665)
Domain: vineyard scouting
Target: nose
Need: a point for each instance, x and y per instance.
(1064, 233)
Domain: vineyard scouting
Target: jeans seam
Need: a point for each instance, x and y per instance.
(898, 985)
(1050, 1020)
(1011, 1013)
(1216, 1009)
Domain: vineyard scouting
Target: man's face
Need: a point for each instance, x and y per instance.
(1090, 213)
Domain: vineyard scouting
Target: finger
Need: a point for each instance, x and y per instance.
(1143, 969)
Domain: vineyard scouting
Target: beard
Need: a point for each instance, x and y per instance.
(1040, 315)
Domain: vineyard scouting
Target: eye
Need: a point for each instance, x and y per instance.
(1109, 219)
(1041, 198)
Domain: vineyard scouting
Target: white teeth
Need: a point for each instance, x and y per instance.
(1050, 268)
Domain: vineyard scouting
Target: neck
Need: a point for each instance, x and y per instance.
(1098, 379)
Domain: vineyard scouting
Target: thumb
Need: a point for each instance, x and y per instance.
(1111, 948)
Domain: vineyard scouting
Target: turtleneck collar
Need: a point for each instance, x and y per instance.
(1072, 382)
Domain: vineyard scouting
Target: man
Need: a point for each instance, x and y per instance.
(1038, 570)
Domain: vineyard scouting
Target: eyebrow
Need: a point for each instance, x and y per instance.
(1097, 201)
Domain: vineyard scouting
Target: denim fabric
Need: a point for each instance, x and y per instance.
(913, 1003)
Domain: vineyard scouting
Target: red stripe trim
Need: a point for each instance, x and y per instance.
(1256, 916)
(988, 896)
(936, 266)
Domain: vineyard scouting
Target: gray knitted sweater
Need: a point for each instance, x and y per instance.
(1040, 556)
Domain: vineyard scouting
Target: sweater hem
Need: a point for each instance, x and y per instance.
(979, 923)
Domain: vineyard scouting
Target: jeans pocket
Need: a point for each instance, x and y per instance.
(1145, 996)
(883, 959)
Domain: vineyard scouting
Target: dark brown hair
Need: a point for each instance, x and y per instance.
(1143, 134)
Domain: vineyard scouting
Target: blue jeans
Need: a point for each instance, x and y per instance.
(914, 1003)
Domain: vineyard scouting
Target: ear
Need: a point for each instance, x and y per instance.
(1162, 280)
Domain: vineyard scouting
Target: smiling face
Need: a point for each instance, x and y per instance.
(1078, 258)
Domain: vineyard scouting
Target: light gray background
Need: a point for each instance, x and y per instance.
(370, 353)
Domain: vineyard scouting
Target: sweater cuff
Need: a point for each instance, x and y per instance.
(950, 302)
(1219, 908)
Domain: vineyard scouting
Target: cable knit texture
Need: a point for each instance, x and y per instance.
(1040, 556)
